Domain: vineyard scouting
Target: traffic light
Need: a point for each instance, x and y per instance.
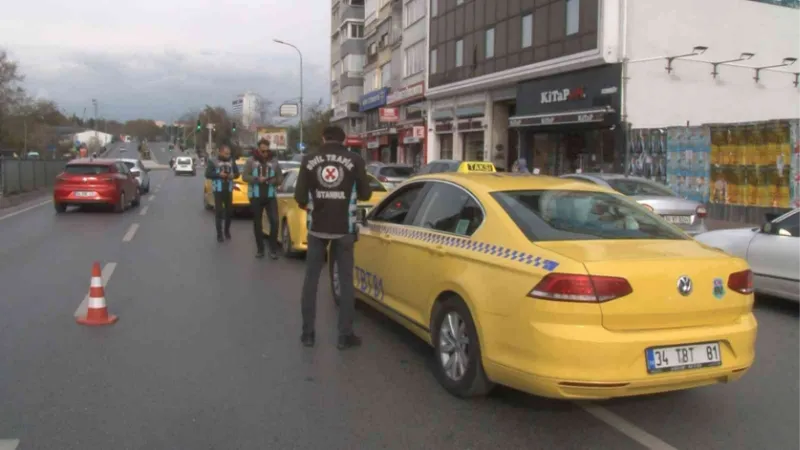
(234, 127)
(199, 126)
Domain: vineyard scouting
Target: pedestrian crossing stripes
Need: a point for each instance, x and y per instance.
(469, 244)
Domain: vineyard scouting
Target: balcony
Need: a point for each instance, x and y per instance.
(351, 78)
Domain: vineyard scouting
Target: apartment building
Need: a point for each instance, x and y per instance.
(407, 100)
(248, 109)
(562, 83)
(382, 71)
(348, 56)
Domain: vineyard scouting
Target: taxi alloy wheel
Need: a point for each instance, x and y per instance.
(458, 365)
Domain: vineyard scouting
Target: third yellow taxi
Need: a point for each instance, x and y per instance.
(292, 220)
(554, 287)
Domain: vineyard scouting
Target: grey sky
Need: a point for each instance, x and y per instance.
(160, 58)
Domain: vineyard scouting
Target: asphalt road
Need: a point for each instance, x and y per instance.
(206, 355)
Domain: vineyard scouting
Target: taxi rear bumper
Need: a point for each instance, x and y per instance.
(592, 363)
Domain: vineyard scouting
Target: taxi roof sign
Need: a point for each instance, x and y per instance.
(476, 166)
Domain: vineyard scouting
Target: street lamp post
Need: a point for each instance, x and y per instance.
(94, 103)
(301, 84)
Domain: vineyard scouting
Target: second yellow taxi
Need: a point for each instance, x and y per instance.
(554, 287)
(293, 220)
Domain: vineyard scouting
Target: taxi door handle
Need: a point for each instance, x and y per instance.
(437, 250)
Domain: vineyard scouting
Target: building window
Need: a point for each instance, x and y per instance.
(414, 59)
(370, 81)
(459, 53)
(413, 11)
(354, 63)
(335, 71)
(527, 31)
(573, 16)
(459, 2)
(355, 30)
(490, 43)
(434, 55)
(434, 8)
(386, 74)
(356, 3)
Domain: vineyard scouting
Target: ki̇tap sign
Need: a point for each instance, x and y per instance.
(562, 95)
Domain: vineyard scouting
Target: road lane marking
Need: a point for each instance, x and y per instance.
(108, 270)
(16, 213)
(9, 444)
(131, 233)
(151, 198)
(144, 210)
(627, 428)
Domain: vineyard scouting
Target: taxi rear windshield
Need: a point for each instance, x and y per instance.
(554, 215)
(87, 169)
(397, 171)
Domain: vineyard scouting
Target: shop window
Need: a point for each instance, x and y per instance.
(396, 208)
(372, 120)
(449, 209)
(446, 146)
(473, 146)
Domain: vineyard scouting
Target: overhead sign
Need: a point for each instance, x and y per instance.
(389, 114)
(374, 99)
(562, 95)
(288, 110)
(407, 94)
(277, 137)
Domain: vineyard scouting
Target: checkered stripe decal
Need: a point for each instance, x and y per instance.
(468, 244)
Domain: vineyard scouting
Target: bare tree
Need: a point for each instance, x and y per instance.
(11, 93)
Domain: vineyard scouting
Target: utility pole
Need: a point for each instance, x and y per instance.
(94, 103)
(210, 127)
(25, 127)
(278, 41)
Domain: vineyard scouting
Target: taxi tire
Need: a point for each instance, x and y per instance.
(475, 383)
(207, 206)
(286, 240)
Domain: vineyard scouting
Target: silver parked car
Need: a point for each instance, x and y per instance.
(689, 215)
(771, 250)
(140, 172)
(391, 175)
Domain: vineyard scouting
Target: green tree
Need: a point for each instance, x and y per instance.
(11, 94)
(142, 129)
(317, 117)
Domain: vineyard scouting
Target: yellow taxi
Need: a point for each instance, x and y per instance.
(240, 200)
(292, 220)
(453, 165)
(554, 287)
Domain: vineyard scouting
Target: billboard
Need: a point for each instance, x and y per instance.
(277, 137)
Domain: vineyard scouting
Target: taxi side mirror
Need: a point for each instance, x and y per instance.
(361, 216)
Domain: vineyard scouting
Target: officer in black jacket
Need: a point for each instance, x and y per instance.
(330, 182)
(222, 171)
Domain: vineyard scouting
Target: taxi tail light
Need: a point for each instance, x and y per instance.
(701, 212)
(648, 207)
(581, 288)
(382, 179)
(741, 282)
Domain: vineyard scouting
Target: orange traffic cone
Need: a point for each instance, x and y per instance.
(97, 312)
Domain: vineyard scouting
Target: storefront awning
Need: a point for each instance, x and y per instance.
(592, 115)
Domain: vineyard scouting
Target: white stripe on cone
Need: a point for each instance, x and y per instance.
(96, 282)
(97, 303)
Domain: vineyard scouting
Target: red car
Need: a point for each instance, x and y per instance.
(96, 181)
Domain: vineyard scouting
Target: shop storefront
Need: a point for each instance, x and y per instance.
(471, 126)
(443, 128)
(412, 142)
(380, 136)
(355, 144)
(570, 122)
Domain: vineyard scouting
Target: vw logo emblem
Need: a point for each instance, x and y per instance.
(684, 285)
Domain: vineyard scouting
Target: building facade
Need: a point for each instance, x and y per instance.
(382, 72)
(407, 99)
(248, 109)
(562, 83)
(347, 67)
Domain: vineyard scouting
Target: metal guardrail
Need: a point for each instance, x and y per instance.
(20, 176)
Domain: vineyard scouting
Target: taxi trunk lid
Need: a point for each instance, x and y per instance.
(653, 269)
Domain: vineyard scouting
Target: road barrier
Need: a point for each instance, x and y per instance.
(20, 176)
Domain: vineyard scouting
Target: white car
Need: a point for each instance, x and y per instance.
(772, 251)
(140, 172)
(184, 166)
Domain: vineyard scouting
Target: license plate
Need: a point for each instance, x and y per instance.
(679, 220)
(683, 357)
(85, 194)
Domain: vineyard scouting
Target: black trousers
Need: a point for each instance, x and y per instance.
(258, 206)
(223, 209)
